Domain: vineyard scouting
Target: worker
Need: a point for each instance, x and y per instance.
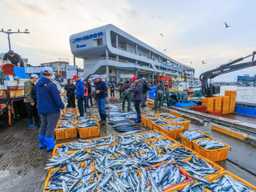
(30, 101)
(49, 106)
(79, 94)
(101, 94)
(160, 93)
(70, 93)
(120, 86)
(112, 89)
(13, 58)
(89, 98)
(137, 95)
(126, 96)
(145, 92)
(85, 95)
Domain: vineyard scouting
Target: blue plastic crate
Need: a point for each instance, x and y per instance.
(246, 110)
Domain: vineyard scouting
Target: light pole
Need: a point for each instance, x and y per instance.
(9, 32)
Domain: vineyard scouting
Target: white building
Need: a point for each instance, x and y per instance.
(110, 50)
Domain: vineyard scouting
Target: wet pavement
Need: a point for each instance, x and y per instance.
(22, 163)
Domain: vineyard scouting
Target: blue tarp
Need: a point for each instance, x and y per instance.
(20, 73)
(185, 104)
(152, 92)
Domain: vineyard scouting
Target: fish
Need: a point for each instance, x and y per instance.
(209, 143)
(193, 135)
(117, 160)
(228, 183)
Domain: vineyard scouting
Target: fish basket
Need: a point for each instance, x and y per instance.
(189, 143)
(235, 177)
(89, 132)
(65, 133)
(172, 133)
(215, 155)
(155, 126)
(185, 124)
(218, 168)
(71, 110)
(178, 186)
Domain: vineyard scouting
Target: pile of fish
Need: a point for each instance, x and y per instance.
(209, 143)
(141, 161)
(193, 135)
(160, 121)
(170, 127)
(84, 122)
(66, 124)
(225, 183)
(196, 167)
(122, 121)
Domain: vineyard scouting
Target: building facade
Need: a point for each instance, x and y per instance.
(110, 50)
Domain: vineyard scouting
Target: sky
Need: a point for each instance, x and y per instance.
(193, 31)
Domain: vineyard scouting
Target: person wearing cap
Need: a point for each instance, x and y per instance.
(101, 91)
(49, 106)
(79, 94)
(137, 95)
(30, 101)
(70, 93)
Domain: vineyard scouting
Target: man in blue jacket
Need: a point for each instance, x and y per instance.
(49, 104)
(79, 94)
(101, 94)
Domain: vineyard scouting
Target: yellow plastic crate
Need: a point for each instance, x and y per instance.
(189, 143)
(215, 155)
(89, 132)
(225, 105)
(218, 104)
(65, 133)
(228, 173)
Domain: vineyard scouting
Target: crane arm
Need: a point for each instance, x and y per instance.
(207, 88)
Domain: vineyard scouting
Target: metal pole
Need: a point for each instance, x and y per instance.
(74, 60)
(9, 41)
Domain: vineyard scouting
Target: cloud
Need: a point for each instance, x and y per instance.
(193, 30)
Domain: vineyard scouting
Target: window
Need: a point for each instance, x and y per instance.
(99, 42)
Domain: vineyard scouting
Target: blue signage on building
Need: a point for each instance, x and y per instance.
(87, 37)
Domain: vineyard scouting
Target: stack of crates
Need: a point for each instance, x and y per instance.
(221, 105)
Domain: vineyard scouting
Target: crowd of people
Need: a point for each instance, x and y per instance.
(44, 102)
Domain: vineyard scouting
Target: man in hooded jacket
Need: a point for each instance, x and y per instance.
(49, 104)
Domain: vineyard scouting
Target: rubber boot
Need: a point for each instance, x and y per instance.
(50, 143)
(42, 143)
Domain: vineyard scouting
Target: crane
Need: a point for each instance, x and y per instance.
(209, 89)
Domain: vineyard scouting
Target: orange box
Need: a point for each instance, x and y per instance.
(220, 154)
(218, 104)
(225, 105)
(65, 133)
(210, 104)
(89, 132)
